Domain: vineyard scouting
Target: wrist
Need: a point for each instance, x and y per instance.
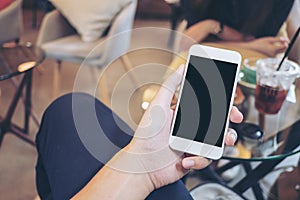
(250, 44)
(129, 163)
(215, 27)
(116, 181)
(219, 29)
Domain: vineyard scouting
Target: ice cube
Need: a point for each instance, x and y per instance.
(285, 83)
(269, 81)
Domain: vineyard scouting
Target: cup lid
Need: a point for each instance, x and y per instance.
(288, 68)
(249, 130)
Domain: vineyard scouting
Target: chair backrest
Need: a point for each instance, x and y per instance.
(119, 35)
(53, 26)
(117, 40)
(11, 24)
(210, 190)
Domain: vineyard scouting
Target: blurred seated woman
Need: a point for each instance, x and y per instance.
(249, 24)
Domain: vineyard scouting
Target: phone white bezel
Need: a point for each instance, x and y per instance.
(194, 147)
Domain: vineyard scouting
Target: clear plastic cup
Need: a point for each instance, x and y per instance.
(272, 86)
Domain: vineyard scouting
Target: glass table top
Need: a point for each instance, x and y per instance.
(281, 135)
(16, 59)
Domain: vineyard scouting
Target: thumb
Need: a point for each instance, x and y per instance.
(273, 39)
(195, 162)
(168, 88)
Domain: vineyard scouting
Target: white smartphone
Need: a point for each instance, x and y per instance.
(204, 101)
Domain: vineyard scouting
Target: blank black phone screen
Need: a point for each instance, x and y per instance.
(205, 100)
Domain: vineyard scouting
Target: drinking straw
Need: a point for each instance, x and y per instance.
(289, 48)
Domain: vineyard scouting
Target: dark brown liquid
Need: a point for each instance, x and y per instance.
(268, 100)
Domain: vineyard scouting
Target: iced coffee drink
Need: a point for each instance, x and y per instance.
(272, 86)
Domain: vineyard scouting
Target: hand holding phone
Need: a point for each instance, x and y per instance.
(205, 98)
(149, 152)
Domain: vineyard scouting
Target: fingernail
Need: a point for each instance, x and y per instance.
(283, 38)
(188, 164)
(233, 135)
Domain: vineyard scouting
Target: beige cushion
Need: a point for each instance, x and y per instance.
(72, 48)
(90, 18)
(214, 191)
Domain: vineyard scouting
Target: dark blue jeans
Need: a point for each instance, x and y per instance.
(65, 166)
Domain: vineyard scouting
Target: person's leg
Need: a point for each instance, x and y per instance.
(174, 191)
(65, 165)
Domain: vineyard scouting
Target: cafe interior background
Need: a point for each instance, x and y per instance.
(49, 81)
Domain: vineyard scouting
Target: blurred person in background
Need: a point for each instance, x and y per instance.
(249, 24)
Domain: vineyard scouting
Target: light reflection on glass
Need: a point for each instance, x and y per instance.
(26, 66)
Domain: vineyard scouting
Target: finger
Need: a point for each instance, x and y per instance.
(274, 39)
(281, 44)
(195, 162)
(167, 90)
(284, 39)
(174, 100)
(230, 137)
(280, 48)
(173, 107)
(235, 115)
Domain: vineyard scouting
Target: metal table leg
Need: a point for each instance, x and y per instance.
(6, 124)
